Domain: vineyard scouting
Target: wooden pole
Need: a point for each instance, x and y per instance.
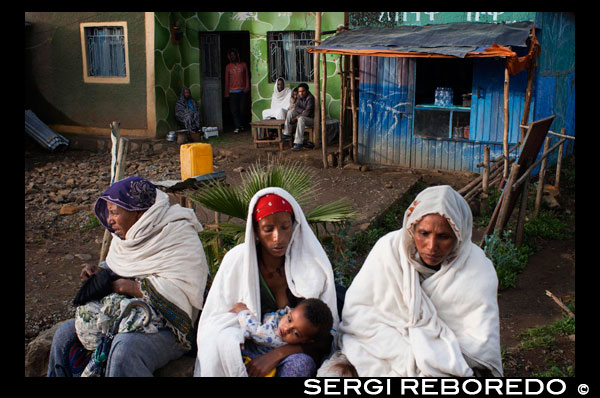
(559, 162)
(505, 136)
(316, 80)
(504, 214)
(341, 126)
(522, 212)
(323, 113)
(354, 113)
(525, 117)
(123, 146)
(486, 175)
(540, 188)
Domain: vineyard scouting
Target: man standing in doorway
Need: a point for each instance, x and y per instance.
(303, 115)
(237, 84)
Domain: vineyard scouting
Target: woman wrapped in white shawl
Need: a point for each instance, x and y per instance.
(280, 261)
(280, 101)
(155, 255)
(425, 301)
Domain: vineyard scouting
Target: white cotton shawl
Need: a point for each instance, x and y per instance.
(163, 247)
(280, 99)
(392, 325)
(308, 273)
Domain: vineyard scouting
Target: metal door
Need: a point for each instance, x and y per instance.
(212, 93)
(385, 110)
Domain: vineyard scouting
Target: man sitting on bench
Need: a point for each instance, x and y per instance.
(302, 115)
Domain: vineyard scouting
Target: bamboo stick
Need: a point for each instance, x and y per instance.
(540, 188)
(505, 135)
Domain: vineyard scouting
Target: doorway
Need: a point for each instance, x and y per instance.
(214, 47)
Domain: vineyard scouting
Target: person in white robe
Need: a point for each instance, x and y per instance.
(424, 304)
(280, 101)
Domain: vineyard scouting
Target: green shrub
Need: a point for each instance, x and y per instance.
(508, 259)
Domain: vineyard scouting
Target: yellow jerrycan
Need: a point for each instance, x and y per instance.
(195, 159)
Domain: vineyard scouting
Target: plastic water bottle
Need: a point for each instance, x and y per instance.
(438, 96)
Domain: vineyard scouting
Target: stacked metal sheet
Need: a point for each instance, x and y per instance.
(43, 134)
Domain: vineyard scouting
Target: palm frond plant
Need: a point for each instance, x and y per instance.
(233, 202)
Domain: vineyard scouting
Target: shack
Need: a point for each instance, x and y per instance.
(489, 68)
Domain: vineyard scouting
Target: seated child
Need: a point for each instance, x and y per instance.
(309, 322)
(95, 318)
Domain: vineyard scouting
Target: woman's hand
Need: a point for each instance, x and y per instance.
(88, 271)
(238, 307)
(127, 287)
(263, 364)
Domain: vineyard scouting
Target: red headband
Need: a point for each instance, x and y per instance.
(270, 204)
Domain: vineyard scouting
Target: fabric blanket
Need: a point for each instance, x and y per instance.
(280, 99)
(308, 272)
(163, 251)
(394, 325)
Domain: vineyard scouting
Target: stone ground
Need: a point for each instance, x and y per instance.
(60, 236)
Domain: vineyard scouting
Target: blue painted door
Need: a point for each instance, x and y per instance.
(386, 93)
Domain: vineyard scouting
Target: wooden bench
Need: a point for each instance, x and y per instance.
(260, 132)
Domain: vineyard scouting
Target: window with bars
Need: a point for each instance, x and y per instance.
(104, 50)
(288, 57)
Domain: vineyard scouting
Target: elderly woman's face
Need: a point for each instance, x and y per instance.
(280, 85)
(120, 220)
(275, 232)
(434, 239)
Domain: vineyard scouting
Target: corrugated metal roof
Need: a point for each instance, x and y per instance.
(43, 134)
(453, 39)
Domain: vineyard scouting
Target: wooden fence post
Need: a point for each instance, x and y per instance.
(485, 181)
(505, 135)
(540, 188)
(559, 162)
(119, 171)
(323, 113)
(506, 198)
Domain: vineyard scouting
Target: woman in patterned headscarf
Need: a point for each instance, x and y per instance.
(156, 255)
(187, 111)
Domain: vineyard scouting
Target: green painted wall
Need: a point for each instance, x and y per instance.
(179, 65)
(55, 89)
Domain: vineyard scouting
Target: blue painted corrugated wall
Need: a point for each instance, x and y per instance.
(385, 128)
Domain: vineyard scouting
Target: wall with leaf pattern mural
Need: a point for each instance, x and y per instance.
(178, 65)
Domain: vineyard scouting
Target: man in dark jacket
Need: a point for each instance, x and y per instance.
(302, 115)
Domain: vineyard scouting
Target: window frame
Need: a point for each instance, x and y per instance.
(104, 79)
(270, 35)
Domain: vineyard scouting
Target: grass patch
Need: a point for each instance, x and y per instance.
(545, 336)
(508, 259)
